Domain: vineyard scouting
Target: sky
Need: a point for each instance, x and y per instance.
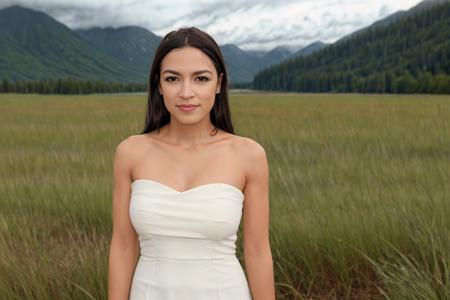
(250, 24)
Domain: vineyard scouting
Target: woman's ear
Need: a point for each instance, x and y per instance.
(219, 83)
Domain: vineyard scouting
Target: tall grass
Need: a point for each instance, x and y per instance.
(359, 192)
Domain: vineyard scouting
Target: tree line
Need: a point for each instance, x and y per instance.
(69, 86)
(74, 86)
(411, 55)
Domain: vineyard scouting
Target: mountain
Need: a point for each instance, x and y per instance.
(35, 46)
(136, 46)
(410, 55)
(277, 54)
(243, 65)
(32, 40)
(259, 53)
(131, 45)
(311, 48)
(421, 6)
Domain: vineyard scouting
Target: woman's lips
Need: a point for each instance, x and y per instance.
(187, 108)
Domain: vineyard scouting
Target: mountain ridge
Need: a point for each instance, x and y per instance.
(409, 55)
(33, 40)
(113, 54)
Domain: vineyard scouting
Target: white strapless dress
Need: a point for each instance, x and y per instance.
(187, 242)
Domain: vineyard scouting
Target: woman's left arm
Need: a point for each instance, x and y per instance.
(257, 253)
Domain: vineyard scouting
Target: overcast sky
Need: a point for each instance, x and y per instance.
(251, 24)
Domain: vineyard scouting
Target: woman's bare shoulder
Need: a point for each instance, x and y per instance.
(250, 146)
(128, 142)
(132, 144)
(253, 158)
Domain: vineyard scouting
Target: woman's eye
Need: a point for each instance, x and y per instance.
(169, 78)
(203, 78)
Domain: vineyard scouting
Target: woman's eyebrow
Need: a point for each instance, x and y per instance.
(178, 73)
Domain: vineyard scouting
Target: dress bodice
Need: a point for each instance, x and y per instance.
(199, 223)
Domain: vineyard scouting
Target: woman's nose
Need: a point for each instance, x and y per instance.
(186, 90)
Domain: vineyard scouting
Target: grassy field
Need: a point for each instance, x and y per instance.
(359, 192)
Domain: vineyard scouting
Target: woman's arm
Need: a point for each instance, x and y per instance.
(257, 253)
(124, 247)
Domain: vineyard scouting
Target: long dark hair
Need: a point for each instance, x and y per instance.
(157, 114)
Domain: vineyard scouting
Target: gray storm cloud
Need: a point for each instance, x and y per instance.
(251, 24)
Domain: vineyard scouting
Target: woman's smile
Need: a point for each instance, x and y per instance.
(187, 107)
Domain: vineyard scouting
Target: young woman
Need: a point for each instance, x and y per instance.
(183, 184)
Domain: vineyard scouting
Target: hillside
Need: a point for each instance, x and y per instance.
(131, 45)
(410, 55)
(136, 46)
(35, 46)
(311, 48)
(421, 6)
(243, 65)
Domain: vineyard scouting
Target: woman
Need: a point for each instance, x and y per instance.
(179, 188)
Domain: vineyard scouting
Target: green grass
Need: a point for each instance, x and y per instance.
(359, 192)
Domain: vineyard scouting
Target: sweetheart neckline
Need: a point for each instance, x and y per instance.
(191, 189)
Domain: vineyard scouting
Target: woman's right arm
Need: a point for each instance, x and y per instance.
(124, 248)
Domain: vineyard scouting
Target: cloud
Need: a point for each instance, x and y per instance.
(251, 24)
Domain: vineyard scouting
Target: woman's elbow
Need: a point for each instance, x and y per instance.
(257, 249)
(124, 243)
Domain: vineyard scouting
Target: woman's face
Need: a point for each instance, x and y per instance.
(188, 77)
